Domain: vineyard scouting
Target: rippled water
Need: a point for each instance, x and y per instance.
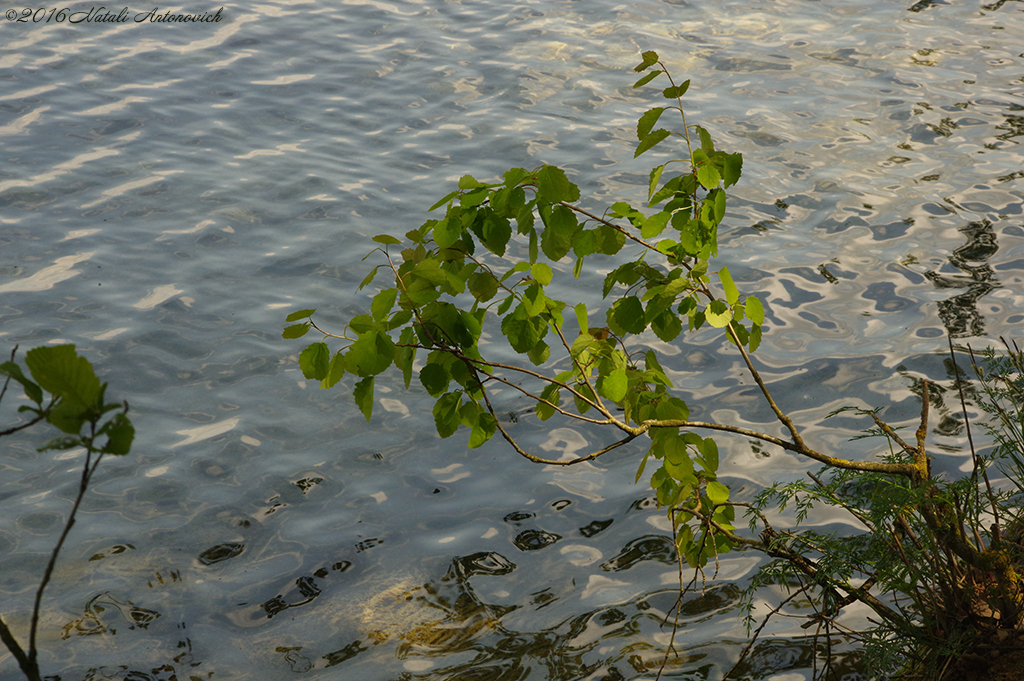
(169, 192)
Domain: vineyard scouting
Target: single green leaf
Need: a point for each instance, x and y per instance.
(315, 361)
(120, 434)
(613, 385)
(654, 225)
(649, 59)
(435, 378)
(667, 326)
(371, 354)
(708, 176)
(672, 92)
(300, 314)
(447, 232)
(60, 371)
(718, 314)
(542, 273)
(539, 353)
(363, 395)
(755, 337)
(710, 455)
(581, 317)
(755, 310)
(367, 279)
(732, 168)
(560, 227)
(514, 176)
(386, 239)
(732, 294)
(646, 122)
(382, 303)
(482, 286)
(447, 197)
(647, 79)
(650, 140)
(552, 395)
(626, 315)
(483, 430)
(554, 186)
(470, 182)
(447, 416)
(705, 140)
(31, 389)
(335, 372)
(652, 182)
(609, 240)
(717, 492)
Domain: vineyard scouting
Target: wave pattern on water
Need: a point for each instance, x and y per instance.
(169, 193)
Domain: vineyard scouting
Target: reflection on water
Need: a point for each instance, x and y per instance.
(167, 194)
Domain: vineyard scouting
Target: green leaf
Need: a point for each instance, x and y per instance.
(649, 59)
(732, 168)
(755, 310)
(552, 394)
(646, 122)
(405, 357)
(654, 225)
(708, 176)
(705, 140)
(447, 231)
(647, 79)
(483, 430)
(554, 186)
(627, 315)
(718, 314)
(382, 303)
(470, 182)
(560, 226)
(60, 371)
(732, 294)
(542, 273)
(482, 286)
(581, 317)
(335, 372)
(386, 239)
(717, 492)
(755, 337)
(494, 231)
(514, 176)
(315, 361)
(447, 416)
(710, 452)
(650, 140)
(363, 395)
(31, 389)
(667, 326)
(609, 240)
(675, 91)
(447, 197)
(539, 353)
(366, 280)
(120, 434)
(371, 354)
(613, 385)
(435, 379)
(300, 314)
(652, 182)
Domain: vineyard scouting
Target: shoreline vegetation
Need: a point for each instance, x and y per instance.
(937, 559)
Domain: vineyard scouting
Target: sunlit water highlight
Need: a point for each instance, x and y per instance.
(169, 193)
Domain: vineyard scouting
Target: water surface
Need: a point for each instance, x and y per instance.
(168, 193)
